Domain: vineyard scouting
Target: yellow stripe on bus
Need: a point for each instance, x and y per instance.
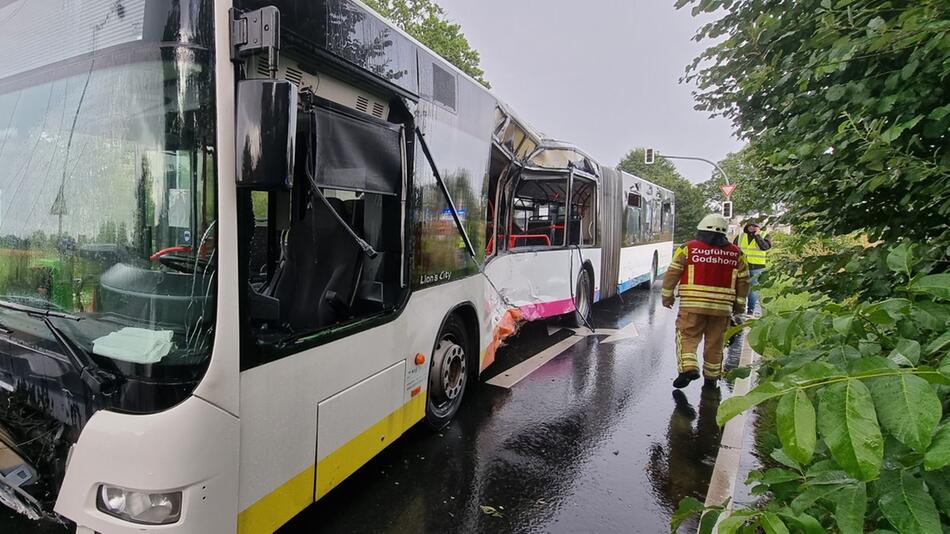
(344, 461)
(291, 497)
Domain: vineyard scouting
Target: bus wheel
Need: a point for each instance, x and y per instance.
(448, 373)
(583, 300)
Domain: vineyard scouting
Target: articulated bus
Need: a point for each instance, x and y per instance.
(245, 245)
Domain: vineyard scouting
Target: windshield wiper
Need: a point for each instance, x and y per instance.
(98, 380)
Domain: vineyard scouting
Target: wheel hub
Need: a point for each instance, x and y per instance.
(447, 378)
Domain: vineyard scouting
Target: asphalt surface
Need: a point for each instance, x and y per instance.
(594, 441)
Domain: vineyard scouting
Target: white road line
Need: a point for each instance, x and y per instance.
(516, 374)
(626, 332)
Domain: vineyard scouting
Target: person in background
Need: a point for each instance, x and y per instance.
(713, 280)
(754, 245)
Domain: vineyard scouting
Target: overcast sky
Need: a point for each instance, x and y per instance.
(600, 73)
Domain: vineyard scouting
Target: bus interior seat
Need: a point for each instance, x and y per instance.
(379, 286)
(319, 269)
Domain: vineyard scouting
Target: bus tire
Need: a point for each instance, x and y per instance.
(448, 372)
(583, 300)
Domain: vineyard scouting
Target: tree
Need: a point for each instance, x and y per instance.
(751, 195)
(846, 100)
(426, 21)
(690, 203)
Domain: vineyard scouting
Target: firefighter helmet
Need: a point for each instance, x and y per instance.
(713, 223)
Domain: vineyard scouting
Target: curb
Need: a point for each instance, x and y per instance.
(722, 484)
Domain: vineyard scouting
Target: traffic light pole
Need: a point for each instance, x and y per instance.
(650, 155)
(713, 163)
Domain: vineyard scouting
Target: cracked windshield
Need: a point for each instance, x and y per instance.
(107, 204)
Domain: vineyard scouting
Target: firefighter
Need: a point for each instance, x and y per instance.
(754, 245)
(713, 280)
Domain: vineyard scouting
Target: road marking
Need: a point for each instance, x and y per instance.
(516, 374)
(582, 331)
(626, 332)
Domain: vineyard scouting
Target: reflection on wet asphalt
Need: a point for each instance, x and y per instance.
(593, 441)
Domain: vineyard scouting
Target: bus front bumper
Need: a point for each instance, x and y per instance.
(191, 448)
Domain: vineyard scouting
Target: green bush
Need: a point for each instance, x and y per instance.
(862, 390)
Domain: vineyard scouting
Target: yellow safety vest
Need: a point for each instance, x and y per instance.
(753, 254)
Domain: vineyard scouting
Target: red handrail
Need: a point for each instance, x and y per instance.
(168, 250)
(515, 237)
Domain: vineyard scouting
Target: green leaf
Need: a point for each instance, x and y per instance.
(842, 324)
(906, 504)
(688, 507)
(938, 455)
(773, 524)
(739, 372)
(937, 285)
(835, 92)
(758, 336)
(782, 334)
(892, 133)
(908, 70)
(795, 418)
(731, 524)
(938, 485)
(877, 24)
(708, 520)
(848, 424)
(938, 344)
(851, 504)
(777, 475)
(907, 353)
(907, 407)
(901, 259)
(733, 406)
(809, 496)
(782, 457)
(803, 522)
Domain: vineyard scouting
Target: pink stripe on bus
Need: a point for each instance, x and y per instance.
(541, 310)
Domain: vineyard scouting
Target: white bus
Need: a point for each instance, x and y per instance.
(230, 274)
(565, 232)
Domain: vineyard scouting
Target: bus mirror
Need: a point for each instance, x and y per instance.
(265, 130)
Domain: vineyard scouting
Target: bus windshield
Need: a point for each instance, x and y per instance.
(107, 182)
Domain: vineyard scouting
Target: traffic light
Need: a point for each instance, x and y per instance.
(649, 156)
(727, 209)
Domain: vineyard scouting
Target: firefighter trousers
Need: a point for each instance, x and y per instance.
(693, 327)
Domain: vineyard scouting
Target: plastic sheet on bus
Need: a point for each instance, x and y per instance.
(358, 155)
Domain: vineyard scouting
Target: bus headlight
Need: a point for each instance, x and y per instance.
(139, 506)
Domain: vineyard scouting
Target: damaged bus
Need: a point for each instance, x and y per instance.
(245, 245)
(566, 232)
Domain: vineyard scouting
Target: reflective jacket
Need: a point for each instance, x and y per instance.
(755, 255)
(712, 280)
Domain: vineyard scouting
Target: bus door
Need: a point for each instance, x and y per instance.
(323, 381)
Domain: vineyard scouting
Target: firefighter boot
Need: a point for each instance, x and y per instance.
(684, 378)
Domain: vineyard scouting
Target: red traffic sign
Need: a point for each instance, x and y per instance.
(727, 189)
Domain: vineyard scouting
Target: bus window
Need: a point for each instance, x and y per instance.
(306, 270)
(666, 218)
(538, 212)
(583, 223)
(634, 200)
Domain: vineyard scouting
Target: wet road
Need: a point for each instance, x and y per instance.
(593, 441)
